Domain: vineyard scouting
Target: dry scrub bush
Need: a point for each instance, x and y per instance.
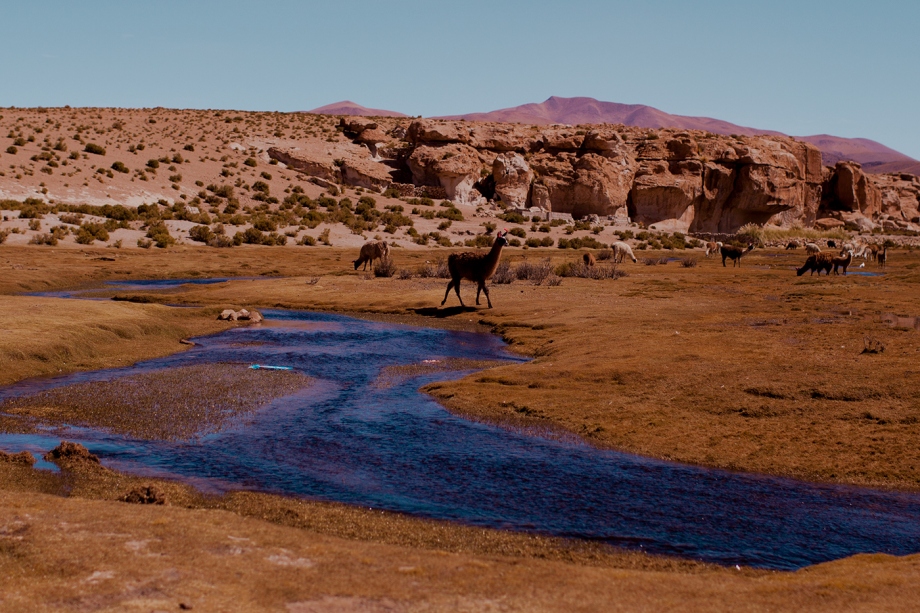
(688, 262)
(604, 254)
(426, 271)
(443, 272)
(598, 272)
(404, 274)
(504, 274)
(385, 267)
(753, 233)
(3, 235)
(534, 272)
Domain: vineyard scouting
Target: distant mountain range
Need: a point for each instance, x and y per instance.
(347, 107)
(874, 157)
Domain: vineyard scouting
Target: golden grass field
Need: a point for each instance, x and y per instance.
(747, 368)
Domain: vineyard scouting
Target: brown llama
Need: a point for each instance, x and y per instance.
(817, 261)
(589, 259)
(873, 252)
(842, 261)
(882, 257)
(792, 245)
(370, 251)
(711, 248)
(476, 267)
(734, 253)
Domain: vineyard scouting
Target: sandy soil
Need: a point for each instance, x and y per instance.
(751, 368)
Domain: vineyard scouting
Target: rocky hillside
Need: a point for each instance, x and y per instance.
(669, 179)
(266, 178)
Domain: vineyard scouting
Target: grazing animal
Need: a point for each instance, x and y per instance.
(589, 259)
(817, 261)
(792, 245)
(476, 267)
(873, 252)
(831, 243)
(734, 253)
(882, 257)
(812, 248)
(620, 250)
(370, 251)
(712, 248)
(842, 261)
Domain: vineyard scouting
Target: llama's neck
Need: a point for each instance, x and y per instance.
(494, 254)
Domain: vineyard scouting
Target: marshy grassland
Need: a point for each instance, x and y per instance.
(747, 368)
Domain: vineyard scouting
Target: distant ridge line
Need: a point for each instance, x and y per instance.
(873, 156)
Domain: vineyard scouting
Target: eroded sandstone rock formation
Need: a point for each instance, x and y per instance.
(668, 179)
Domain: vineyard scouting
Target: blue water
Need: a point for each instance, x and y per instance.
(134, 285)
(350, 439)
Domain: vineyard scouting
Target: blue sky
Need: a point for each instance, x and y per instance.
(807, 67)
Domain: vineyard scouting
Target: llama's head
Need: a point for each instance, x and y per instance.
(501, 239)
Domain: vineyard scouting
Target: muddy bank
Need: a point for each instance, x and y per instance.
(174, 404)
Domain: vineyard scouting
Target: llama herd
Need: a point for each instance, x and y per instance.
(479, 266)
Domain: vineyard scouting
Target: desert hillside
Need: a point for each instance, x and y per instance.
(139, 177)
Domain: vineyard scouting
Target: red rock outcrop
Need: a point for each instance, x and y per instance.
(455, 167)
(668, 179)
(353, 167)
(512, 177)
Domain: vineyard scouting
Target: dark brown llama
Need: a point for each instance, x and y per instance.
(843, 260)
(817, 261)
(589, 259)
(734, 253)
(476, 267)
(882, 257)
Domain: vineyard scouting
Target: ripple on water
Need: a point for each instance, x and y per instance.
(362, 433)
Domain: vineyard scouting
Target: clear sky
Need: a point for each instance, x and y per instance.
(849, 68)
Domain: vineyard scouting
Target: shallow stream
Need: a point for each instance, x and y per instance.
(359, 437)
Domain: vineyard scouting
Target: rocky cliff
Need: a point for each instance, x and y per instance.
(686, 180)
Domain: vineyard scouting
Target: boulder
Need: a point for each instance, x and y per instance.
(501, 138)
(356, 125)
(854, 191)
(454, 167)
(427, 131)
(250, 316)
(227, 315)
(601, 185)
(372, 137)
(320, 166)
(555, 140)
(512, 177)
(665, 194)
(829, 223)
(862, 223)
(241, 315)
(365, 173)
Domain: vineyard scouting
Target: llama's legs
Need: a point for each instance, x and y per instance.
(482, 286)
(457, 289)
(447, 293)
